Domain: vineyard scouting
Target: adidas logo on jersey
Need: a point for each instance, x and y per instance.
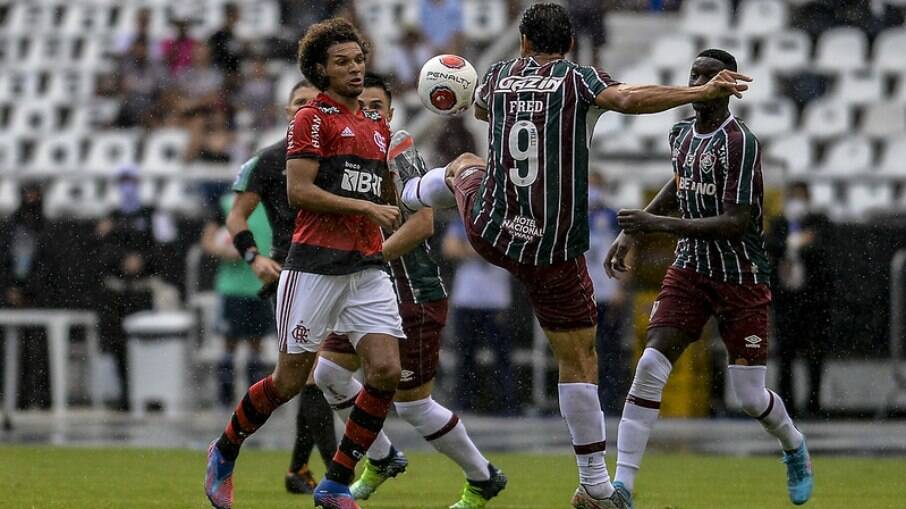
(347, 133)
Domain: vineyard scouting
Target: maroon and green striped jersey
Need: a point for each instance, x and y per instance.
(713, 170)
(416, 276)
(533, 201)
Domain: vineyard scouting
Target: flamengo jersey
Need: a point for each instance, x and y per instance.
(533, 202)
(351, 149)
(712, 170)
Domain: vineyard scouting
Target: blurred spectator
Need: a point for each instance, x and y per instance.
(442, 25)
(23, 281)
(142, 32)
(244, 316)
(588, 21)
(211, 141)
(127, 249)
(803, 291)
(226, 48)
(481, 300)
(178, 51)
(611, 300)
(256, 97)
(200, 85)
(408, 57)
(141, 81)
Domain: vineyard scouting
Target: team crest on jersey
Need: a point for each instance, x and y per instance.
(706, 162)
(300, 333)
(372, 114)
(330, 110)
(380, 141)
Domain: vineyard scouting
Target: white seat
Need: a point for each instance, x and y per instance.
(33, 118)
(609, 124)
(48, 52)
(83, 18)
(848, 156)
(795, 152)
(27, 18)
(175, 198)
(70, 86)
(773, 118)
(786, 51)
(842, 49)
(672, 50)
(761, 17)
(705, 17)
(893, 157)
(18, 85)
(9, 196)
(823, 197)
(111, 150)
(763, 87)
(147, 192)
(641, 75)
(889, 54)
(862, 198)
(270, 137)
(859, 86)
(738, 45)
(57, 154)
(10, 155)
(624, 142)
(826, 119)
(884, 119)
(657, 125)
(164, 151)
(257, 19)
(384, 19)
(484, 20)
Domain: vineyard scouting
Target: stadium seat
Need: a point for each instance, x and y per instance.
(772, 119)
(70, 86)
(163, 152)
(884, 119)
(83, 18)
(848, 156)
(795, 152)
(863, 198)
(110, 150)
(625, 194)
(823, 197)
(74, 198)
(889, 55)
(47, 53)
(33, 118)
(859, 86)
(607, 125)
(484, 20)
(641, 74)
(842, 49)
(761, 17)
(673, 51)
(10, 155)
(786, 51)
(27, 18)
(19, 85)
(738, 45)
(705, 17)
(175, 198)
(893, 157)
(259, 19)
(826, 118)
(9, 196)
(57, 154)
(384, 19)
(655, 126)
(624, 142)
(763, 87)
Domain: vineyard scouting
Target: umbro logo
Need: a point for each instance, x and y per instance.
(753, 342)
(347, 133)
(407, 375)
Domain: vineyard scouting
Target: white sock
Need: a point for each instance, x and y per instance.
(764, 405)
(340, 389)
(640, 413)
(581, 409)
(446, 433)
(431, 190)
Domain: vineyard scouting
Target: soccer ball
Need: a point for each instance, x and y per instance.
(446, 84)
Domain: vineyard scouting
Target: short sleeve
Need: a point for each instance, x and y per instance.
(593, 81)
(305, 135)
(485, 88)
(249, 177)
(743, 165)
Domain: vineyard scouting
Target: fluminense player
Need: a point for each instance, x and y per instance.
(333, 278)
(423, 307)
(525, 208)
(721, 270)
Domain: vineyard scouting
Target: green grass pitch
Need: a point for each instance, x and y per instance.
(48, 477)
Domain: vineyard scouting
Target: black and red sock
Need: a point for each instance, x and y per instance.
(365, 422)
(250, 414)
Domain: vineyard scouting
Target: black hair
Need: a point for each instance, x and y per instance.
(378, 81)
(722, 56)
(299, 84)
(317, 40)
(548, 27)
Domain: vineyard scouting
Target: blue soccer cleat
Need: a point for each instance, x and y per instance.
(218, 479)
(624, 492)
(799, 477)
(333, 495)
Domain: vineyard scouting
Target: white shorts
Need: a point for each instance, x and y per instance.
(310, 306)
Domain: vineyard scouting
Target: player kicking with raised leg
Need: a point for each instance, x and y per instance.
(333, 277)
(423, 306)
(525, 209)
(721, 270)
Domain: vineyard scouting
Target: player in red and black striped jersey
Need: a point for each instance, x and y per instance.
(525, 207)
(720, 270)
(333, 277)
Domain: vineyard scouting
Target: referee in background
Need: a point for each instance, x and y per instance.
(262, 179)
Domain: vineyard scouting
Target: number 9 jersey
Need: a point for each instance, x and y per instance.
(533, 201)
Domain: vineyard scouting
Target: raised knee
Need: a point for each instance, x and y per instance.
(465, 160)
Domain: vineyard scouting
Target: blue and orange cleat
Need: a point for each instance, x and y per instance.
(218, 479)
(799, 476)
(333, 495)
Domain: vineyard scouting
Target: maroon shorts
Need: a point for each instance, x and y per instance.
(562, 294)
(688, 299)
(420, 351)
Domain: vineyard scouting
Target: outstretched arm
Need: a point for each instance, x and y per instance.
(636, 99)
(730, 225)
